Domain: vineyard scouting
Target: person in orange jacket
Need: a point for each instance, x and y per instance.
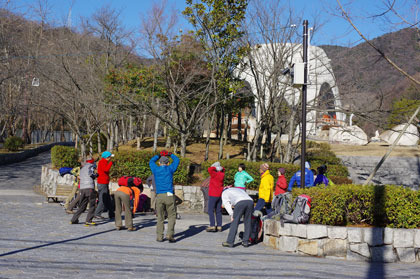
(123, 195)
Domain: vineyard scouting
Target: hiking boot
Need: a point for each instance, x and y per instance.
(178, 216)
(88, 224)
(219, 229)
(211, 229)
(119, 228)
(245, 244)
(74, 222)
(159, 239)
(227, 244)
(69, 211)
(99, 217)
(171, 239)
(131, 229)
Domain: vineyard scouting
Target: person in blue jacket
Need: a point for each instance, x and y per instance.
(309, 178)
(165, 201)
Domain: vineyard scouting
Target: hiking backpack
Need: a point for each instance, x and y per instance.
(123, 181)
(301, 208)
(282, 204)
(257, 227)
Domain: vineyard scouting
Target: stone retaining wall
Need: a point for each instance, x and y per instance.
(351, 243)
(21, 156)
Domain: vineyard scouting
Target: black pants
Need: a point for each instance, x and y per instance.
(86, 196)
(104, 201)
(242, 208)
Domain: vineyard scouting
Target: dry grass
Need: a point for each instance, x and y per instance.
(195, 149)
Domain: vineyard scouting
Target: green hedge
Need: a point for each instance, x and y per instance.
(64, 156)
(380, 206)
(336, 173)
(13, 143)
(137, 164)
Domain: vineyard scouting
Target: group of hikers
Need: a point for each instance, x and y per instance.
(234, 198)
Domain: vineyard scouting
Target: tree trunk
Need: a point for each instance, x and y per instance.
(291, 132)
(240, 125)
(184, 139)
(156, 134)
(229, 127)
(206, 156)
(111, 136)
(130, 128)
(98, 134)
(62, 137)
(221, 140)
(116, 135)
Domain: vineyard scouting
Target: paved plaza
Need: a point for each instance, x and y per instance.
(37, 241)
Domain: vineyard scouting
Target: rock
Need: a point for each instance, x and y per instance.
(373, 236)
(409, 138)
(403, 238)
(337, 232)
(270, 227)
(351, 256)
(383, 254)
(309, 247)
(354, 235)
(284, 230)
(406, 255)
(361, 249)
(273, 241)
(316, 231)
(417, 238)
(335, 247)
(350, 135)
(388, 235)
(299, 230)
(288, 244)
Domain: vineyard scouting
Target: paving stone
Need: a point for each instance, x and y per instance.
(388, 236)
(271, 227)
(317, 231)
(403, 238)
(285, 230)
(406, 255)
(352, 256)
(417, 238)
(355, 235)
(309, 247)
(373, 236)
(335, 247)
(383, 254)
(361, 249)
(337, 232)
(288, 244)
(299, 230)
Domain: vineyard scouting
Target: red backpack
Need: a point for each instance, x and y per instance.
(123, 181)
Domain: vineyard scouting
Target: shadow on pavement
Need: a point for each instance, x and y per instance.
(191, 231)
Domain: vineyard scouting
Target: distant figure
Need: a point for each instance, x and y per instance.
(265, 192)
(281, 184)
(123, 195)
(321, 178)
(243, 206)
(87, 193)
(104, 198)
(152, 185)
(309, 178)
(217, 176)
(165, 202)
(242, 177)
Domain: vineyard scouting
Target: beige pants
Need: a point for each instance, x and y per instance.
(122, 199)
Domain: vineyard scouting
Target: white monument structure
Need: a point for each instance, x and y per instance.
(322, 91)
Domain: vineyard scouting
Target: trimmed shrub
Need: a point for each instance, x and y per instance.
(320, 153)
(137, 164)
(380, 206)
(231, 167)
(13, 143)
(64, 156)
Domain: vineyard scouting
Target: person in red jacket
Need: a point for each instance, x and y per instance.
(104, 198)
(281, 184)
(217, 176)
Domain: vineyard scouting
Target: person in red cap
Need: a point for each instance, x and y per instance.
(104, 198)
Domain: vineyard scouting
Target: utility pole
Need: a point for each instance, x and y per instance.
(304, 93)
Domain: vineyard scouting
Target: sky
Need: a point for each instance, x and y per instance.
(332, 29)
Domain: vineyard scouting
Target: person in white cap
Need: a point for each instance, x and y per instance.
(104, 199)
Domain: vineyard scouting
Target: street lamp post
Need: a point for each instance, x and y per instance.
(304, 96)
